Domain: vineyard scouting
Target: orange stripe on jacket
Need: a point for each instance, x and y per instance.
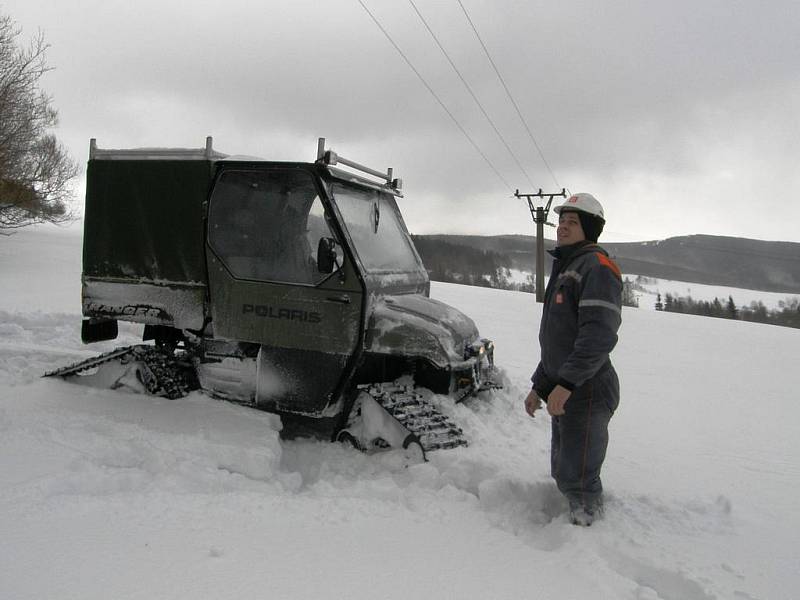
(607, 262)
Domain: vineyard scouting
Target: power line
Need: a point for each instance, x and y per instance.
(471, 93)
(510, 97)
(430, 89)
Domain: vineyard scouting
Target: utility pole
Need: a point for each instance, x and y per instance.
(539, 214)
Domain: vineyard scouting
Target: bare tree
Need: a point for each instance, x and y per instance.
(35, 169)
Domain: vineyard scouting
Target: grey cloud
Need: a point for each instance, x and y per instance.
(662, 109)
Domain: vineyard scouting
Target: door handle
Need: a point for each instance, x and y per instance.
(343, 298)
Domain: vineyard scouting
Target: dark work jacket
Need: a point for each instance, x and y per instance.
(581, 315)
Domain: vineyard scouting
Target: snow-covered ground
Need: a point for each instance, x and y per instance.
(106, 494)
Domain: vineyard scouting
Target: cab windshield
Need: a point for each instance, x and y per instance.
(373, 222)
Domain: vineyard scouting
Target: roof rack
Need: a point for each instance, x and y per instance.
(330, 158)
(207, 153)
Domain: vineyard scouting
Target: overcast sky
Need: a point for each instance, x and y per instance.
(681, 117)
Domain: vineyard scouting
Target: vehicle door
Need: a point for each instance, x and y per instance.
(264, 230)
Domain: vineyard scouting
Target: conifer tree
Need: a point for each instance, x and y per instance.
(668, 303)
(659, 304)
(628, 296)
(716, 308)
(731, 311)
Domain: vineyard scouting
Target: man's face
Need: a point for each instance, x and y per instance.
(569, 229)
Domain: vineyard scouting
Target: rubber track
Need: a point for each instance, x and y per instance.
(435, 430)
(162, 374)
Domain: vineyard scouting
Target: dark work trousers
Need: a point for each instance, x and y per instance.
(580, 438)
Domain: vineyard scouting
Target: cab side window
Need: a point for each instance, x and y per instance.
(265, 225)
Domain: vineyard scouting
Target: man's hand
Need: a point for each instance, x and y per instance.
(556, 401)
(532, 403)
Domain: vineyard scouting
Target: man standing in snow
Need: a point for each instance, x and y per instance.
(580, 319)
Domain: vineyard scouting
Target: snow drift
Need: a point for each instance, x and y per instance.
(108, 494)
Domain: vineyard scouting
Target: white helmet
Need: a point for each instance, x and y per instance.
(584, 203)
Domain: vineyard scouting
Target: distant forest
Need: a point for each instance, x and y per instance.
(487, 264)
(457, 263)
(711, 260)
(787, 314)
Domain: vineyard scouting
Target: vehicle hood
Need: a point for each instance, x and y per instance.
(417, 326)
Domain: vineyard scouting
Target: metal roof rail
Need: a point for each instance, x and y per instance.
(330, 158)
(207, 153)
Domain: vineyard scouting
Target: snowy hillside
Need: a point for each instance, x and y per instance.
(647, 290)
(105, 494)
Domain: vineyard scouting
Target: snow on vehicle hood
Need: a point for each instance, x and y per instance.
(415, 325)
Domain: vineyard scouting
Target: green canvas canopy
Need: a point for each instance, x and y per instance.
(144, 220)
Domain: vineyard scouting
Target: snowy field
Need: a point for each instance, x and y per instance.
(651, 287)
(106, 494)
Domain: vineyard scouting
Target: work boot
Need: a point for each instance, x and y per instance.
(585, 515)
(581, 517)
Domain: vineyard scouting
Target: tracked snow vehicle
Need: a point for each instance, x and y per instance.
(286, 286)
